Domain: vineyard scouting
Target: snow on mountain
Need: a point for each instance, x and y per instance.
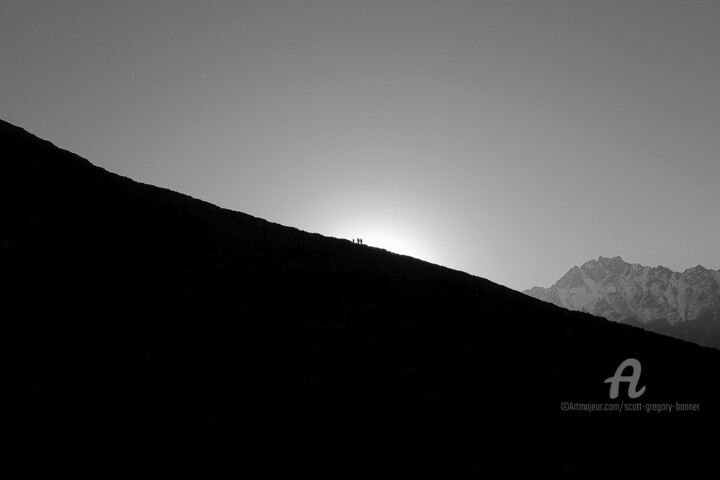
(653, 297)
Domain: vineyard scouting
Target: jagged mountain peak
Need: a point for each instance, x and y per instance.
(606, 260)
(625, 292)
(608, 263)
(697, 269)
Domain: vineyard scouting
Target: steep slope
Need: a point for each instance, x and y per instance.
(156, 334)
(684, 305)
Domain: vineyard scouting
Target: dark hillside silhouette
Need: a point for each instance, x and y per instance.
(156, 334)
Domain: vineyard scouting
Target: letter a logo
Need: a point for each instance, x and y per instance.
(632, 380)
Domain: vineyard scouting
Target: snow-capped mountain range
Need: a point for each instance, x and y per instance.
(684, 305)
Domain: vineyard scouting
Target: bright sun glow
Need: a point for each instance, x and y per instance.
(390, 236)
(383, 218)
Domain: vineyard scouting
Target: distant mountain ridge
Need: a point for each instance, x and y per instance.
(685, 304)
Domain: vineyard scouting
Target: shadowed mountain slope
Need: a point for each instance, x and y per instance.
(159, 334)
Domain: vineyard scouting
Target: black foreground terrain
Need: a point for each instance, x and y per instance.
(156, 334)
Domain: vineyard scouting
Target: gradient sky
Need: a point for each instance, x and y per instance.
(508, 139)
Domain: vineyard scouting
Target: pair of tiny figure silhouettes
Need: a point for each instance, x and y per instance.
(358, 240)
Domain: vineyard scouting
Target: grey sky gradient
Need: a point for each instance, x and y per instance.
(508, 139)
